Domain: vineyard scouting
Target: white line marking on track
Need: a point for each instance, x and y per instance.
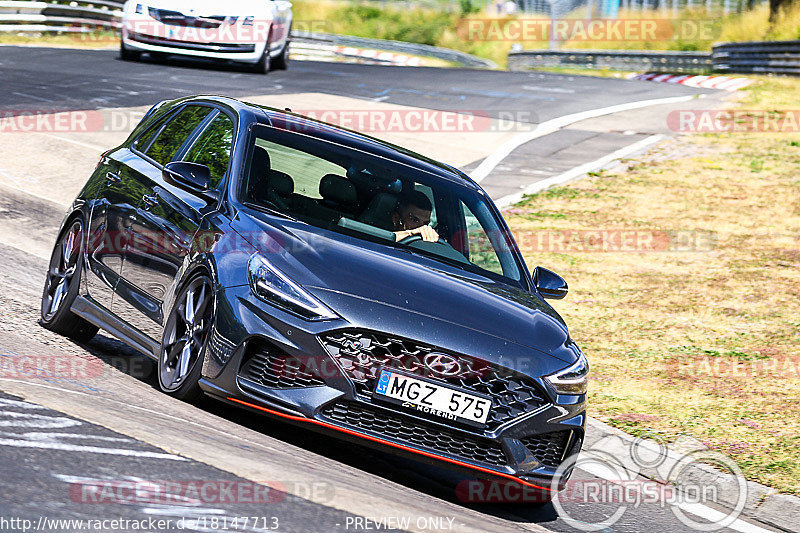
(150, 411)
(551, 126)
(703, 511)
(92, 147)
(26, 95)
(46, 445)
(578, 171)
(55, 440)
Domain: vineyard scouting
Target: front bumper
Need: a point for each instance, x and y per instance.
(160, 41)
(526, 444)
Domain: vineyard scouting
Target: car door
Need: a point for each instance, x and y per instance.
(109, 225)
(168, 217)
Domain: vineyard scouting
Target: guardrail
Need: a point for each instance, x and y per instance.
(412, 49)
(766, 57)
(59, 16)
(91, 15)
(776, 57)
(652, 61)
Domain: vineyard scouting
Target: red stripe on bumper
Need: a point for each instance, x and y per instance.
(388, 443)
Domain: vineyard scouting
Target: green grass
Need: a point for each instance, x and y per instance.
(703, 341)
(440, 28)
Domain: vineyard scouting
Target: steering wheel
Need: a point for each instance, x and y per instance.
(417, 237)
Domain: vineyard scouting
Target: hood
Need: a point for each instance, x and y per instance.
(374, 285)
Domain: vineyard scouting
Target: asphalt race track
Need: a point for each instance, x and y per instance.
(108, 425)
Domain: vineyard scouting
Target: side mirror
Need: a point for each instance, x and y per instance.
(549, 284)
(192, 177)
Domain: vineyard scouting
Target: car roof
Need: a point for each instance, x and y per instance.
(352, 139)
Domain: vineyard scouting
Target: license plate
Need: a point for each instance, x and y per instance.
(433, 399)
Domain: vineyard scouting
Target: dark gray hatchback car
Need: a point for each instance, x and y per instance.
(328, 279)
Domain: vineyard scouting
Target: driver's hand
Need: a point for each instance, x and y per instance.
(428, 233)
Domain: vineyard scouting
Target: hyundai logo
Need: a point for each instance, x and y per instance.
(353, 344)
(442, 364)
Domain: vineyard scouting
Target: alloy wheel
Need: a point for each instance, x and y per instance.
(60, 274)
(186, 333)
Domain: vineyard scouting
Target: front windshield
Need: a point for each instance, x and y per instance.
(348, 191)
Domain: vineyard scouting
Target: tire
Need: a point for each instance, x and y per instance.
(264, 64)
(128, 55)
(186, 335)
(282, 61)
(62, 285)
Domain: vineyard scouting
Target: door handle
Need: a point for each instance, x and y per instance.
(113, 178)
(149, 201)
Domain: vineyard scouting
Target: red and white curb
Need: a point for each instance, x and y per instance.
(379, 57)
(724, 83)
(327, 52)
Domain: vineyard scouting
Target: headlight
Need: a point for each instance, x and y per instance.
(573, 379)
(273, 286)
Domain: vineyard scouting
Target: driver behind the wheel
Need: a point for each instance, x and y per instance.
(412, 216)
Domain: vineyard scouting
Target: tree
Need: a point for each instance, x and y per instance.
(776, 7)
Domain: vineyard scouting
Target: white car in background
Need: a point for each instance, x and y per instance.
(255, 32)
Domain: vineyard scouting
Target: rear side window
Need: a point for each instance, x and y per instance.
(146, 138)
(307, 170)
(213, 148)
(175, 134)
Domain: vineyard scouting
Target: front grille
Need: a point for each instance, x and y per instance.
(362, 354)
(176, 18)
(548, 448)
(407, 430)
(189, 45)
(271, 368)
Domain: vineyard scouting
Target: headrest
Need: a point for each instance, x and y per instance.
(280, 182)
(260, 163)
(338, 189)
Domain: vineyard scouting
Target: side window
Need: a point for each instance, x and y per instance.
(213, 148)
(175, 134)
(306, 170)
(144, 139)
(480, 249)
